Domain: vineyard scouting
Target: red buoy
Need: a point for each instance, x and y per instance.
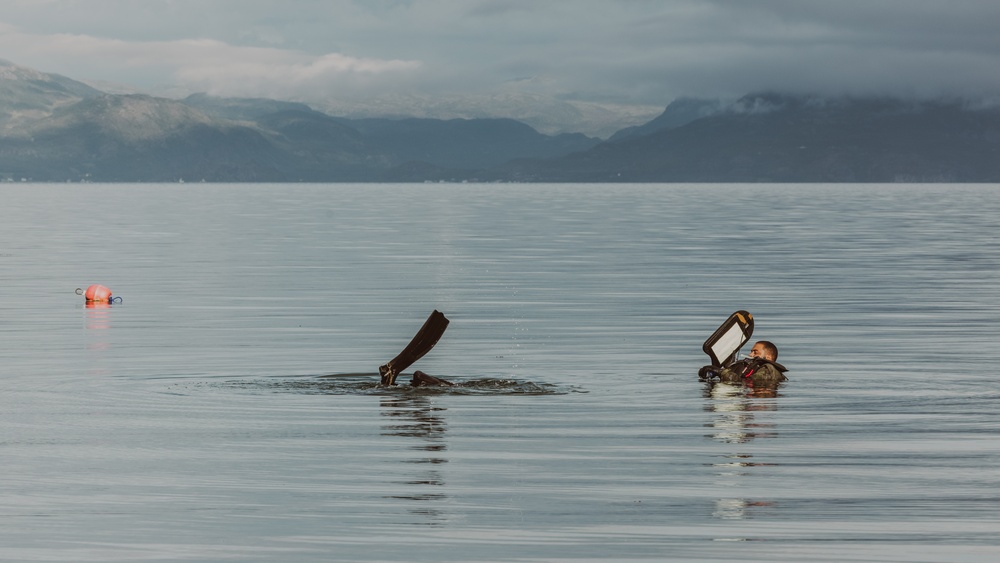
(97, 294)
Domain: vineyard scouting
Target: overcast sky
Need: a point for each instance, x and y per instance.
(631, 52)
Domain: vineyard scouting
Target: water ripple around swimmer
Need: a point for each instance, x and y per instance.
(349, 384)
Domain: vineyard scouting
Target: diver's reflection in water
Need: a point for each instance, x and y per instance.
(415, 416)
(742, 509)
(735, 406)
(734, 422)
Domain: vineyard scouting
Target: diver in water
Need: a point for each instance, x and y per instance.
(421, 379)
(422, 342)
(759, 370)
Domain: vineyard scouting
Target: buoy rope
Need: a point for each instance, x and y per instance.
(111, 299)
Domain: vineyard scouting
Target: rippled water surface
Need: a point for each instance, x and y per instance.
(228, 408)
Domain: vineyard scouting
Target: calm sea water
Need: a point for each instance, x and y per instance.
(227, 409)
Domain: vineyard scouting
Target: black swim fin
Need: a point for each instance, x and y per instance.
(422, 342)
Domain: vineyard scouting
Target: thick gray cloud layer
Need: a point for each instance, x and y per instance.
(626, 52)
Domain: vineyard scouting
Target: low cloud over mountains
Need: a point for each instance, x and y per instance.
(53, 128)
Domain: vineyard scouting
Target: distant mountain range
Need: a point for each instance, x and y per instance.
(53, 128)
(779, 138)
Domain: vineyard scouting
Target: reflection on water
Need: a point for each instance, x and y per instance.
(414, 416)
(97, 321)
(742, 509)
(735, 422)
(98, 315)
(736, 406)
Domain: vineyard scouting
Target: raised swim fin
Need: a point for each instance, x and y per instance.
(422, 342)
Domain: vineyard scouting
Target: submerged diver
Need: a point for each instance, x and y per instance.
(421, 379)
(759, 370)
